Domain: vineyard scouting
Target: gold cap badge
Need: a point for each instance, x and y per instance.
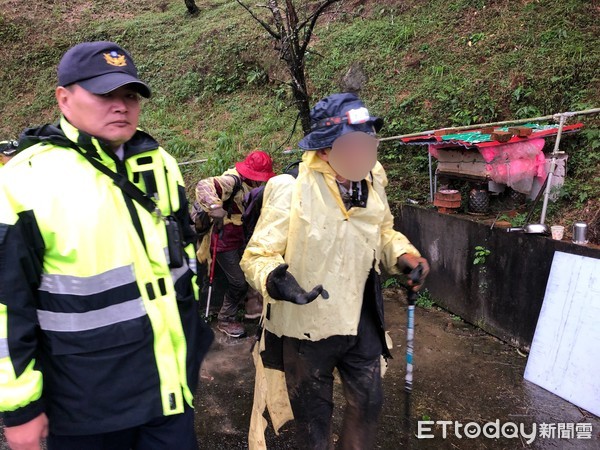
(114, 59)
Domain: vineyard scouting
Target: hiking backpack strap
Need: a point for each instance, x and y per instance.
(228, 204)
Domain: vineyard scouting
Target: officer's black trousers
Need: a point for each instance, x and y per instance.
(164, 433)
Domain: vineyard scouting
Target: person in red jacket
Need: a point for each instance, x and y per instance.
(222, 198)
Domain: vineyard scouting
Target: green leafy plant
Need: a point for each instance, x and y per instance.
(480, 254)
(475, 38)
(224, 156)
(518, 220)
(521, 92)
(438, 71)
(390, 282)
(425, 300)
(256, 76)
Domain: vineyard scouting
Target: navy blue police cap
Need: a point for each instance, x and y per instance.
(335, 116)
(100, 67)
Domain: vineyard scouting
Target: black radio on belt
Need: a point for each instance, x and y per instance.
(174, 242)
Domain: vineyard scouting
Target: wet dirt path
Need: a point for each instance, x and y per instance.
(460, 374)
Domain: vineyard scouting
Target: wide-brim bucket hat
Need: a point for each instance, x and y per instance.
(257, 166)
(335, 116)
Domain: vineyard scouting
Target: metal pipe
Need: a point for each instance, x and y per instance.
(197, 161)
(430, 179)
(552, 168)
(506, 122)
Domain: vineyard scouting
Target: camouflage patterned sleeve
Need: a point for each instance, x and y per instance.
(214, 190)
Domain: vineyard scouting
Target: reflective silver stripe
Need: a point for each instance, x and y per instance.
(193, 265)
(176, 274)
(69, 284)
(188, 263)
(3, 348)
(53, 321)
(166, 250)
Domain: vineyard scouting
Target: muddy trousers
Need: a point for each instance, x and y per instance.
(309, 377)
(163, 433)
(229, 262)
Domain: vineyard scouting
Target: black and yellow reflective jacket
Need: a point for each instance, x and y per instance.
(95, 328)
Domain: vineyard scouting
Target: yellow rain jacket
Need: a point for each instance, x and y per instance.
(305, 224)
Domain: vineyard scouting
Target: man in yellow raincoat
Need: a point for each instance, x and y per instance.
(329, 231)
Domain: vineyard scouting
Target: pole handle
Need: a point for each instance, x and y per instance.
(414, 276)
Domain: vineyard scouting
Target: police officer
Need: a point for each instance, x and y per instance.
(98, 320)
(328, 231)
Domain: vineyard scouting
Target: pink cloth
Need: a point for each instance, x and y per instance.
(516, 164)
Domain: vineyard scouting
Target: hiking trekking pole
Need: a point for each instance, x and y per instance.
(212, 273)
(414, 276)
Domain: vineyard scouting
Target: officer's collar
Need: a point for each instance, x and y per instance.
(83, 140)
(140, 142)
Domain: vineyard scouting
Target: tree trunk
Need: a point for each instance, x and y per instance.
(191, 6)
(300, 95)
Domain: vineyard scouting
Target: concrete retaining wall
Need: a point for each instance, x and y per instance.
(504, 295)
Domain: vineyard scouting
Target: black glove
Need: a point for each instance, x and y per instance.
(281, 285)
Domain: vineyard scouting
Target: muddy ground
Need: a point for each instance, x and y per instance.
(460, 374)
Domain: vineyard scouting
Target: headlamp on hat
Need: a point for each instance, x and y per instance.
(352, 117)
(335, 116)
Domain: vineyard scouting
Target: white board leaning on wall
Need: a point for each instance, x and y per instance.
(565, 352)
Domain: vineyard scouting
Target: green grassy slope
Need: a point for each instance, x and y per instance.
(217, 81)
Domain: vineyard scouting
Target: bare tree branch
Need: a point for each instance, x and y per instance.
(276, 12)
(313, 21)
(288, 33)
(292, 17)
(263, 24)
(314, 52)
